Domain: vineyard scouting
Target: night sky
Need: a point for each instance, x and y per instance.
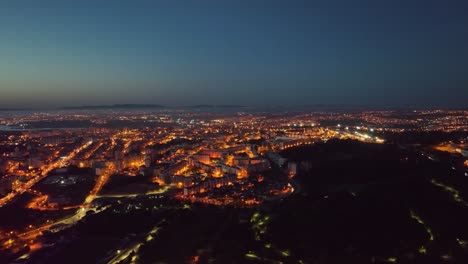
(363, 53)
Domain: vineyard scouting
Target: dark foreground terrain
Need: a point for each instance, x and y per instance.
(353, 203)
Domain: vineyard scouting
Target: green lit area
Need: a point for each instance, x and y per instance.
(422, 250)
(421, 222)
(455, 193)
(251, 255)
(259, 225)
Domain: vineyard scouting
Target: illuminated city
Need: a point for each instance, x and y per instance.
(232, 132)
(167, 160)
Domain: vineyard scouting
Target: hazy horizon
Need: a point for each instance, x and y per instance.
(266, 53)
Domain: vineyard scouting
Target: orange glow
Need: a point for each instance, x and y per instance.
(217, 174)
(35, 246)
(159, 181)
(242, 174)
(195, 259)
(230, 160)
(260, 178)
(40, 203)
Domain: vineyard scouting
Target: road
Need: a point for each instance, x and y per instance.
(132, 195)
(134, 247)
(455, 193)
(45, 170)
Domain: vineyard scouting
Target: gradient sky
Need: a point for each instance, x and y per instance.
(253, 52)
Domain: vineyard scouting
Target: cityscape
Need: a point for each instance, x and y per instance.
(232, 132)
(147, 166)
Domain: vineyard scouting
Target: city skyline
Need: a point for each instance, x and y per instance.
(215, 131)
(251, 186)
(267, 53)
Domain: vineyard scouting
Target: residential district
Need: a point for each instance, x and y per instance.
(59, 168)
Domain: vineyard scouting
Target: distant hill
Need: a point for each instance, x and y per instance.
(15, 109)
(115, 106)
(215, 106)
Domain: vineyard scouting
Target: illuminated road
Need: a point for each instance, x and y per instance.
(124, 254)
(455, 193)
(418, 219)
(92, 151)
(26, 237)
(71, 220)
(134, 247)
(101, 181)
(48, 168)
(159, 191)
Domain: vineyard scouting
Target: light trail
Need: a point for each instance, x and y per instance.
(455, 193)
(132, 195)
(126, 148)
(102, 180)
(124, 254)
(421, 222)
(422, 249)
(26, 237)
(92, 151)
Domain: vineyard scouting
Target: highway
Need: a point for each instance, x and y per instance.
(134, 247)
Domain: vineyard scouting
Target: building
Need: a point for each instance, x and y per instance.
(148, 160)
(6, 185)
(209, 184)
(35, 162)
(292, 169)
(52, 140)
